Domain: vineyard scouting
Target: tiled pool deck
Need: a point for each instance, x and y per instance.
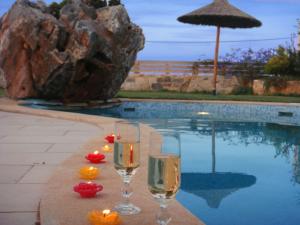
(31, 147)
(34, 145)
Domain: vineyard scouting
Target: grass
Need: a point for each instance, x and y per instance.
(200, 96)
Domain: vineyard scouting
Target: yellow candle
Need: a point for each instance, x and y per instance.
(106, 217)
(89, 173)
(106, 148)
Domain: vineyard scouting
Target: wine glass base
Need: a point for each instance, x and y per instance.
(127, 209)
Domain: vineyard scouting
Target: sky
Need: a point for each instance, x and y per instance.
(158, 20)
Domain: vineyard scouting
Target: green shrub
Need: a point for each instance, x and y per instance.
(278, 64)
(242, 91)
(286, 62)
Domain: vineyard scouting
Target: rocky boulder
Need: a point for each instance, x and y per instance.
(85, 54)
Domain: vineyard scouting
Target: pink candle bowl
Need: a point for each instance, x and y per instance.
(88, 190)
(89, 173)
(95, 157)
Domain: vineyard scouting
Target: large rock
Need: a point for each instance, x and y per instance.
(86, 54)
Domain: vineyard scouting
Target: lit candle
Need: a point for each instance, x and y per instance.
(89, 173)
(106, 212)
(106, 217)
(106, 148)
(131, 154)
(88, 190)
(95, 157)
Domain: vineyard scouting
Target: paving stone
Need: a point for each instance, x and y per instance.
(24, 147)
(20, 197)
(38, 174)
(32, 158)
(27, 218)
(9, 129)
(86, 127)
(67, 147)
(12, 174)
(44, 139)
(72, 133)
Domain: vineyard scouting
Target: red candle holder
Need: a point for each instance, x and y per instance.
(88, 190)
(95, 157)
(111, 138)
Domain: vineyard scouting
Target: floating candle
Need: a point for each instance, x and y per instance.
(89, 173)
(95, 157)
(106, 217)
(87, 190)
(106, 148)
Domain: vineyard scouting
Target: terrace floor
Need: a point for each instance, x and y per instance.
(31, 147)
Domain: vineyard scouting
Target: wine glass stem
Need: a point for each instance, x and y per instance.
(163, 217)
(126, 192)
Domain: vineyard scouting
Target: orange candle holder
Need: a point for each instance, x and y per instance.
(106, 217)
(89, 173)
(106, 148)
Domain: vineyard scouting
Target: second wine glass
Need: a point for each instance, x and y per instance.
(164, 171)
(127, 161)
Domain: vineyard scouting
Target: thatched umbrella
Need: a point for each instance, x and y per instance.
(221, 14)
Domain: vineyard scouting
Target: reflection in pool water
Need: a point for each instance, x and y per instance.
(234, 172)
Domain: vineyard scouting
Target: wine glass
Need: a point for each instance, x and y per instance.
(127, 161)
(164, 171)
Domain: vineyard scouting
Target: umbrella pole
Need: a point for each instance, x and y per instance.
(216, 60)
(213, 148)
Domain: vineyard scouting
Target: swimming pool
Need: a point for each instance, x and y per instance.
(240, 162)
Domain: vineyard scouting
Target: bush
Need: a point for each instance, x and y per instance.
(278, 64)
(54, 8)
(286, 62)
(248, 62)
(242, 91)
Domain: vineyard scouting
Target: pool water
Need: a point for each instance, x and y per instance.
(240, 169)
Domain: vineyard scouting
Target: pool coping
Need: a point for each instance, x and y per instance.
(210, 101)
(51, 211)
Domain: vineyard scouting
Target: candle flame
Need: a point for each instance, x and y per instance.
(106, 212)
(96, 152)
(89, 182)
(91, 168)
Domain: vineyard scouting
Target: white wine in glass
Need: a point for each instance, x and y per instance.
(127, 161)
(164, 171)
(127, 158)
(164, 175)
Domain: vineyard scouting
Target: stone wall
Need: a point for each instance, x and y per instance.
(182, 84)
(291, 88)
